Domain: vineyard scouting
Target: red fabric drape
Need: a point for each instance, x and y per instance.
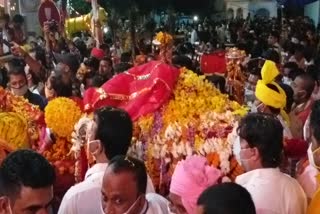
(139, 91)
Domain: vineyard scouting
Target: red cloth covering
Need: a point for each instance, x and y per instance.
(295, 148)
(98, 53)
(139, 91)
(214, 63)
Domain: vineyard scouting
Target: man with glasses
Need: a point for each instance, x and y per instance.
(259, 151)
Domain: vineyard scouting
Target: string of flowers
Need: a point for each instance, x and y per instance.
(21, 106)
(196, 120)
(61, 115)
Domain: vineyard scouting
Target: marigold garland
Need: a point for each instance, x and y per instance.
(14, 130)
(198, 119)
(164, 38)
(61, 114)
(18, 104)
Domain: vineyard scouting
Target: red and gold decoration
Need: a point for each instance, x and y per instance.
(176, 114)
(235, 75)
(140, 90)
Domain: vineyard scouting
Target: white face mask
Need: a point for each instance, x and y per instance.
(306, 130)
(237, 149)
(132, 206)
(286, 80)
(20, 91)
(311, 157)
(248, 92)
(254, 109)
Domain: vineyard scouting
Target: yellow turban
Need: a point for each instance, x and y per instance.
(268, 96)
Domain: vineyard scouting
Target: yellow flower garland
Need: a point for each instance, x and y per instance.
(61, 114)
(14, 130)
(164, 38)
(197, 107)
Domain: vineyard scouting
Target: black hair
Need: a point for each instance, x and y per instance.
(18, 19)
(275, 34)
(291, 65)
(309, 83)
(61, 83)
(313, 71)
(315, 121)
(272, 55)
(114, 130)
(296, 72)
(40, 55)
(17, 70)
(125, 57)
(25, 168)
(122, 67)
(93, 63)
(97, 80)
(289, 94)
(109, 60)
(226, 198)
(273, 110)
(182, 61)
(4, 77)
(16, 62)
(104, 47)
(299, 48)
(265, 132)
(121, 164)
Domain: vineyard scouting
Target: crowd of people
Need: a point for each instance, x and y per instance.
(277, 143)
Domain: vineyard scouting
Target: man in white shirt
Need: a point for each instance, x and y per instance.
(109, 135)
(194, 36)
(124, 189)
(259, 151)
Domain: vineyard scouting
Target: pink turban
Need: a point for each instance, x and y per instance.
(190, 178)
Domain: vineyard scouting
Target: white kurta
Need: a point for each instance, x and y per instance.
(308, 181)
(157, 204)
(85, 197)
(274, 192)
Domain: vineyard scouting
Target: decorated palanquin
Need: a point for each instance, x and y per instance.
(235, 75)
(176, 114)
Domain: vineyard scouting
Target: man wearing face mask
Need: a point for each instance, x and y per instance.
(18, 85)
(270, 97)
(124, 189)
(314, 152)
(109, 135)
(259, 151)
(303, 86)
